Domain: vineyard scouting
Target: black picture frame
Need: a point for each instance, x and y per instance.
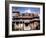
(7, 21)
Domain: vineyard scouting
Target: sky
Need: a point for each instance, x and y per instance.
(26, 9)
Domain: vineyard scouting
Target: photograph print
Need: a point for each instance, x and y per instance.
(26, 19)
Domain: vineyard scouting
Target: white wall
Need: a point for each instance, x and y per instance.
(2, 19)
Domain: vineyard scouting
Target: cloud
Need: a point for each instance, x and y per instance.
(27, 11)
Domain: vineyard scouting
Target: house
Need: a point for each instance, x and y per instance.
(26, 21)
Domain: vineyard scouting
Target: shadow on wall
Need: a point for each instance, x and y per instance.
(13, 37)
